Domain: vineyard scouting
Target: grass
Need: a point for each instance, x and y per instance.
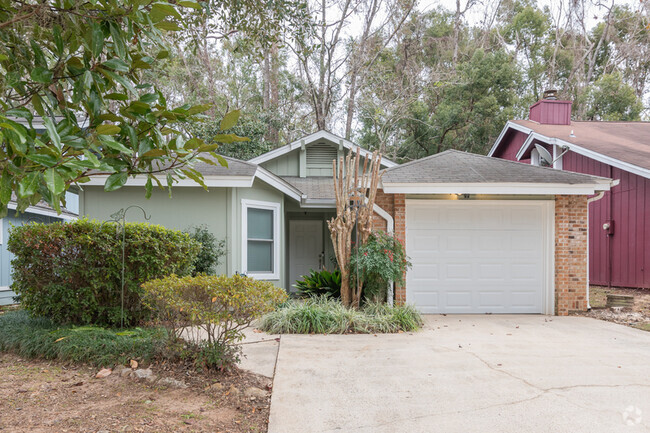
(328, 316)
(33, 337)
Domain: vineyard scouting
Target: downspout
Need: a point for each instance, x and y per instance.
(595, 198)
(390, 227)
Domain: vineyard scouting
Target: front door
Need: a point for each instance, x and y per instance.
(305, 248)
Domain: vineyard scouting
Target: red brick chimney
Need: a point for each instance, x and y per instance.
(550, 111)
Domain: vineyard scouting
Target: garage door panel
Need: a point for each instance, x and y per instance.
(477, 257)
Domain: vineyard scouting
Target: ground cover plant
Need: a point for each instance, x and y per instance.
(72, 272)
(32, 337)
(323, 315)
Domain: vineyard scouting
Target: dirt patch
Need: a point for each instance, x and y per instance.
(638, 316)
(40, 396)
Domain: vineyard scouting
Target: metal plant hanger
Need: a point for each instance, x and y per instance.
(119, 217)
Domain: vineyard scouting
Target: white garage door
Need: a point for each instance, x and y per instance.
(478, 256)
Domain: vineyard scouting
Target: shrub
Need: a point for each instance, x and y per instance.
(324, 315)
(32, 337)
(71, 272)
(211, 312)
(320, 283)
(211, 250)
(380, 260)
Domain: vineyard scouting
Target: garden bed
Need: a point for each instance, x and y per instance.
(45, 396)
(322, 315)
(637, 316)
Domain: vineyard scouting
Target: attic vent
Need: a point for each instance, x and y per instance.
(320, 155)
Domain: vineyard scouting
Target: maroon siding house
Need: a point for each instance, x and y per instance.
(619, 220)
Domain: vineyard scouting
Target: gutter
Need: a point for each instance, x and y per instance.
(593, 199)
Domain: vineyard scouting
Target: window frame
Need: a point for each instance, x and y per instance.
(264, 205)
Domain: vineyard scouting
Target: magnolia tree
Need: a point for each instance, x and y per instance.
(355, 188)
(73, 103)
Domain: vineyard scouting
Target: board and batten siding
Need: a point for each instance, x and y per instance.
(219, 209)
(623, 257)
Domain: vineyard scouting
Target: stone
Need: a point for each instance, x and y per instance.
(144, 373)
(254, 392)
(172, 383)
(234, 391)
(125, 372)
(104, 372)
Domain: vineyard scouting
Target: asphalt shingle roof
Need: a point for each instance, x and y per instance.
(626, 141)
(314, 187)
(235, 167)
(453, 166)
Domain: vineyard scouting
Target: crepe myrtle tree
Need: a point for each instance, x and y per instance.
(76, 66)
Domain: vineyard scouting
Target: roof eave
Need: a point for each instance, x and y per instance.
(497, 188)
(210, 181)
(319, 135)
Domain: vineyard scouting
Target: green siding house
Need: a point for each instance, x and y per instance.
(271, 210)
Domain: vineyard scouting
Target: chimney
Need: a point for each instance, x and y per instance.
(551, 111)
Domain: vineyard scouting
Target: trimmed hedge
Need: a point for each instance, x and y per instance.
(71, 272)
(211, 312)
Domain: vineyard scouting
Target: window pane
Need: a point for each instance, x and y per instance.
(260, 224)
(260, 256)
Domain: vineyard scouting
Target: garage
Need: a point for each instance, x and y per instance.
(490, 236)
(478, 256)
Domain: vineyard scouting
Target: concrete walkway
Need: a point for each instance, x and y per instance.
(466, 374)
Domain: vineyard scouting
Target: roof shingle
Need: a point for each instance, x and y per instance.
(453, 166)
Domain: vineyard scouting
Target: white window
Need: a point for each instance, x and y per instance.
(261, 239)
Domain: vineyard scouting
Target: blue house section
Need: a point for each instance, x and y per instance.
(6, 295)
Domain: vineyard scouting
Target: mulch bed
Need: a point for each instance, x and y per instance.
(44, 396)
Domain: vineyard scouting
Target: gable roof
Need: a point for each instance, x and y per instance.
(625, 145)
(316, 136)
(458, 172)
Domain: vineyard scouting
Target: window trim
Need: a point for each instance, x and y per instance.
(265, 205)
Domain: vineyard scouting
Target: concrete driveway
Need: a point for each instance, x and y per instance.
(467, 374)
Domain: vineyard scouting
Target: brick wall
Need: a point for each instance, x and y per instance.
(386, 202)
(571, 275)
(399, 214)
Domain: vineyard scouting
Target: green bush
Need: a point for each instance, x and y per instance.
(324, 315)
(380, 260)
(211, 312)
(32, 337)
(320, 283)
(71, 272)
(211, 250)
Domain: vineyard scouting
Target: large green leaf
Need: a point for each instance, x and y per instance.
(42, 159)
(42, 75)
(52, 132)
(108, 129)
(230, 120)
(115, 181)
(54, 181)
(112, 144)
(29, 184)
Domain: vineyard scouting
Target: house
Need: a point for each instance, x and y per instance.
(619, 221)
(41, 213)
(484, 235)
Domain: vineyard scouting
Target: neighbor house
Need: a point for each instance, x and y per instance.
(619, 220)
(484, 235)
(41, 213)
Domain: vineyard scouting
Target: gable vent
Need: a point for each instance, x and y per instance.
(320, 155)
